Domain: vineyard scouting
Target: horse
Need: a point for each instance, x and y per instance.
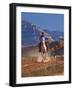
(43, 49)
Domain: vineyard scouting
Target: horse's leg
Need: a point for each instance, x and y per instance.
(45, 53)
(42, 55)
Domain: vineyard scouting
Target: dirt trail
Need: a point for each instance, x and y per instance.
(30, 67)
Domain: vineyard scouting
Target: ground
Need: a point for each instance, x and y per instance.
(30, 67)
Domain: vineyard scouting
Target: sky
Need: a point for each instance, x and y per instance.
(52, 22)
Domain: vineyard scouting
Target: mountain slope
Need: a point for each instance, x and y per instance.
(31, 34)
(55, 34)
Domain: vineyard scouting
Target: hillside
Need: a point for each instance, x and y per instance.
(31, 34)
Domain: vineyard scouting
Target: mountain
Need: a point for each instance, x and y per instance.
(55, 34)
(31, 34)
